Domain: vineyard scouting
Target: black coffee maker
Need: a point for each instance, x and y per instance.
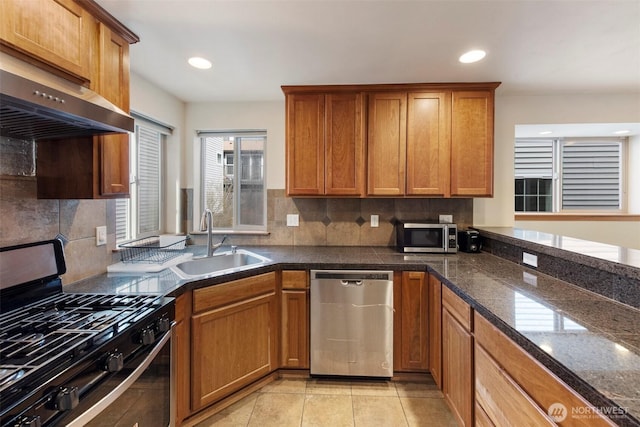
(469, 241)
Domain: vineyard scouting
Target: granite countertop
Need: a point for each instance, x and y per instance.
(589, 341)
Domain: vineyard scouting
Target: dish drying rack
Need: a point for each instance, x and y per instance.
(152, 250)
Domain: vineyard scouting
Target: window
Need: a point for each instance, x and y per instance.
(234, 190)
(556, 175)
(141, 214)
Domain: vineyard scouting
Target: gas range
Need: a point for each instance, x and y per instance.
(56, 350)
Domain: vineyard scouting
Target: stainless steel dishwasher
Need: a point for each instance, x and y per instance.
(352, 323)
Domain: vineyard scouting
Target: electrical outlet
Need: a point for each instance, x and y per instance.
(446, 219)
(101, 235)
(293, 220)
(530, 259)
(375, 221)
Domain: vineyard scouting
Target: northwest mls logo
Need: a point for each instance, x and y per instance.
(558, 412)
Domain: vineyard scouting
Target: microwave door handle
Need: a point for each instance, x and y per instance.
(119, 390)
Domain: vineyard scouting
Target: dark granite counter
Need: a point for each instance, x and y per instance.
(589, 341)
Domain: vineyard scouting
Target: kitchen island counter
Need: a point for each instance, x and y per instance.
(589, 341)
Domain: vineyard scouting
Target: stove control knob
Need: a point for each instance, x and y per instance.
(31, 421)
(163, 324)
(147, 336)
(67, 398)
(114, 362)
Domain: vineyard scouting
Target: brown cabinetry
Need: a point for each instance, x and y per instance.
(412, 324)
(181, 356)
(57, 34)
(457, 356)
(422, 140)
(234, 331)
(324, 144)
(472, 143)
(435, 329)
(514, 389)
(294, 349)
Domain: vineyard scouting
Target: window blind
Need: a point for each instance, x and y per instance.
(533, 158)
(591, 175)
(148, 179)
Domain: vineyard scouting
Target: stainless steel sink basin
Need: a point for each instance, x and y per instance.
(220, 263)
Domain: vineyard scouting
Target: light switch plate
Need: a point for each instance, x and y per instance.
(293, 220)
(101, 235)
(375, 221)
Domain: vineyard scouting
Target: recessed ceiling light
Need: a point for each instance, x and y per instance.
(622, 132)
(201, 63)
(546, 132)
(472, 56)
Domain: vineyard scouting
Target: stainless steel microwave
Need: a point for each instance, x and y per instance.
(425, 237)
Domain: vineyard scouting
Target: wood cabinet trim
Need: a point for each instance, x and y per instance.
(103, 16)
(457, 307)
(391, 87)
(230, 292)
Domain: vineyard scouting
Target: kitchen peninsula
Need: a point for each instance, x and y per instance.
(590, 342)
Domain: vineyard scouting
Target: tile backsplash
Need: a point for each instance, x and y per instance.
(323, 222)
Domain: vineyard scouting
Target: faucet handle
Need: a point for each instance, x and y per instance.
(234, 249)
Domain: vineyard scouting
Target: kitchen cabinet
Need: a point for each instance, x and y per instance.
(324, 144)
(92, 167)
(234, 333)
(294, 350)
(472, 143)
(408, 144)
(457, 357)
(411, 322)
(435, 329)
(181, 348)
(56, 34)
(512, 388)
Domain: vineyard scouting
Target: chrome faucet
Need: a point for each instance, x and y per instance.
(206, 224)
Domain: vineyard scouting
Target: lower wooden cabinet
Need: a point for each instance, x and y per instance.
(181, 351)
(294, 341)
(234, 332)
(435, 329)
(457, 357)
(514, 389)
(412, 323)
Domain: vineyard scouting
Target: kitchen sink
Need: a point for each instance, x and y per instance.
(220, 263)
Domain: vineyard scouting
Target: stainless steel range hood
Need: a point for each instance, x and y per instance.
(37, 105)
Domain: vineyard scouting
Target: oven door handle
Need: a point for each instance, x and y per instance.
(119, 390)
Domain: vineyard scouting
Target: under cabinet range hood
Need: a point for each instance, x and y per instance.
(38, 105)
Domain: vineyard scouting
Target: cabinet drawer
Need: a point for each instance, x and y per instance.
(457, 307)
(544, 388)
(295, 279)
(238, 290)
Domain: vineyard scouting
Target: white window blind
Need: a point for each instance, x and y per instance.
(149, 143)
(591, 175)
(534, 158)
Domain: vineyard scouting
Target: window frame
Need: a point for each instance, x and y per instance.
(199, 192)
(557, 176)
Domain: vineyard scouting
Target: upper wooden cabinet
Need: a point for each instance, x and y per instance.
(324, 144)
(58, 33)
(422, 140)
(472, 143)
(81, 42)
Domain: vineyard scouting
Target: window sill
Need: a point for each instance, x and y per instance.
(232, 233)
(575, 217)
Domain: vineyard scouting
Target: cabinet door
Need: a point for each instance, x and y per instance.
(113, 84)
(386, 144)
(58, 33)
(414, 334)
(435, 329)
(472, 144)
(457, 369)
(181, 360)
(295, 329)
(428, 143)
(231, 347)
(305, 144)
(344, 168)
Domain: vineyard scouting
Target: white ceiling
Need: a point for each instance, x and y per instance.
(533, 47)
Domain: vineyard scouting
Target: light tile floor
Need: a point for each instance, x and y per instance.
(336, 403)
